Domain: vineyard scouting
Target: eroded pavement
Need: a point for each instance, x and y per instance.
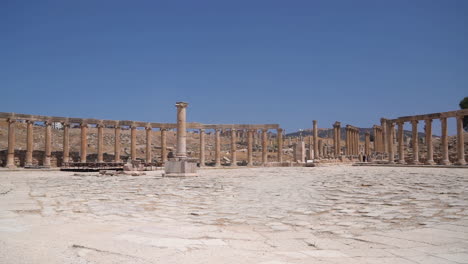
(338, 214)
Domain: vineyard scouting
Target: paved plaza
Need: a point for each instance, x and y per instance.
(336, 214)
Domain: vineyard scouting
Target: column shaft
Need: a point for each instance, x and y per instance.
(444, 141)
(181, 130)
(30, 143)
(264, 146)
(385, 134)
(249, 147)
(66, 142)
(390, 128)
(11, 144)
(149, 130)
(460, 142)
(117, 144)
(280, 144)
(100, 146)
(430, 151)
(133, 137)
(401, 146)
(315, 131)
(84, 142)
(163, 146)
(233, 148)
(415, 139)
(218, 148)
(202, 147)
(48, 142)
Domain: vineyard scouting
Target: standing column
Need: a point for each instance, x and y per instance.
(163, 146)
(11, 144)
(347, 145)
(202, 147)
(149, 129)
(390, 127)
(280, 144)
(430, 151)
(375, 139)
(29, 141)
(133, 139)
(84, 142)
(316, 148)
(401, 146)
(66, 142)
(233, 148)
(444, 139)
(218, 147)
(264, 147)
(249, 147)
(460, 141)
(385, 134)
(48, 141)
(100, 146)
(367, 144)
(117, 143)
(338, 139)
(320, 149)
(181, 130)
(415, 139)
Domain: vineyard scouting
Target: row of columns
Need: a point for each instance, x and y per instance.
(428, 131)
(352, 140)
(117, 147)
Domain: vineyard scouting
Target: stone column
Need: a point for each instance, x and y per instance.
(430, 151)
(100, 146)
(390, 127)
(249, 147)
(202, 147)
(163, 145)
(385, 134)
(233, 148)
(415, 138)
(133, 138)
(66, 142)
(320, 149)
(401, 146)
(11, 144)
(84, 142)
(280, 144)
(367, 144)
(347, 145)
(460, 142)
(149, 129)
(315, 132)
(375, 139)
(117, 143)
(218, 147)
(30, 143)
(264, 147)
(338, 141)
(48, 143)
(444, 142)
(181, 130)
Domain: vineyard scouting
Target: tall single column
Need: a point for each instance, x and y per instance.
(415, 139)
(218, 147)
(84, 142)
(149, 129)
(401, 146)
(11, 144)
(202, 147)
(315, 132)
(163, 145)
(430, 151)
(133, 138)
(280, 144)
(264, 146)
(385, 134)
(460, 141)
(233, 148)
(30, 143)
(48, 143)
(367, 144)
(100, 146)
(117, 143)
(66, 142)
(390, 127)
(249, 147)
(181, 130)
(445, 154)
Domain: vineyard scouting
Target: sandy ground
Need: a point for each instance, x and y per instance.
(338, 214)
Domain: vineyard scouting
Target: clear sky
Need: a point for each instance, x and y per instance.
(285, 62)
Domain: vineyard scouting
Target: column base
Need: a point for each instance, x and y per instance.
(180, 168)
(429, 162)
(10, 166)
(460, 162)
(401, 162)
(445, 162)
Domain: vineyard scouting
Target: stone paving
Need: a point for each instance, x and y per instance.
(337, 214)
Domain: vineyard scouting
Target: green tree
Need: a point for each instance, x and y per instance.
(464, 105)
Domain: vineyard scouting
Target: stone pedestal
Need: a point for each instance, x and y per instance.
(176, 167)
(299, 152)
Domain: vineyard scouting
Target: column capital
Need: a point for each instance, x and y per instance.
(133, 126)
(181, 104)
(337, 124)
(84, 125)
(280, 130)
(163, 129)
(100, 124)
(414, 121)
(29, 122)
(264, 129)
(442, 118)
(148, 127)
(11, 121)
(48, 123)
(65, 124)
(400, 122)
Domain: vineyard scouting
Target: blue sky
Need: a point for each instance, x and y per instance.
(285, 62)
